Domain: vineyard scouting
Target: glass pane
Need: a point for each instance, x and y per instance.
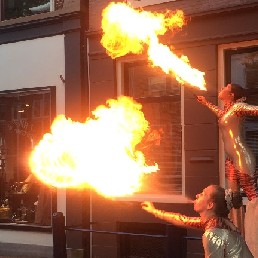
(18, 8)
(26, 199)
(165, 116)
(159, 95)
(145, 81)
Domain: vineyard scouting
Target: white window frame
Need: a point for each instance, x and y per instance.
(52, 5)
(164, 198)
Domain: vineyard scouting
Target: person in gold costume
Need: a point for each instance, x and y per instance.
(240, 164)
(221, 237)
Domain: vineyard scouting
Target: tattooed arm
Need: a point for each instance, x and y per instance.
(176, 219)
(215, 109)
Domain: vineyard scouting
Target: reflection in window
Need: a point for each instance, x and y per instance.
(160, 96)
(25, 120)
(17, 8)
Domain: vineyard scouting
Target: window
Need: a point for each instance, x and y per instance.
(25, 116)
(160, 96)
(12, 9)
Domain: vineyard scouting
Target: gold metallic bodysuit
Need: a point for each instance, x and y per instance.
(230, 123)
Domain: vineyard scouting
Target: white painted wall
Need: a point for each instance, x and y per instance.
(34, 63)
(28, 64)
(23, 237)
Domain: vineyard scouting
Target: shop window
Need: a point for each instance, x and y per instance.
(25, 116)
(160, 96)
(12, 9)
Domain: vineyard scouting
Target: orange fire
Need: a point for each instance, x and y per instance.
(126, 30)
(100, 153)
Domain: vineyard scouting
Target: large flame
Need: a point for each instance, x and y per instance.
(126, 30)
(100, 153)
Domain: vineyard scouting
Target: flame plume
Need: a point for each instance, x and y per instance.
(100, 153)
(126, 30)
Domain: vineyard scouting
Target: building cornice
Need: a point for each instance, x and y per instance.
(41, 20)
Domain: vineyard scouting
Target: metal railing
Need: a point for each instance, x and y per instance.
(175, 247)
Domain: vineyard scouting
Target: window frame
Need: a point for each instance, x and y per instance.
(162, 198)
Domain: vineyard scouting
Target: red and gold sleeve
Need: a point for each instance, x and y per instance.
(179, 219)
(215, 109)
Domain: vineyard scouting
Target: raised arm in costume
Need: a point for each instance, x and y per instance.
(215, 109)
(173, 218)
(181, 220)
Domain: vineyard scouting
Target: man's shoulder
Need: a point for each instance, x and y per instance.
(215, 236)
(237, 105)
